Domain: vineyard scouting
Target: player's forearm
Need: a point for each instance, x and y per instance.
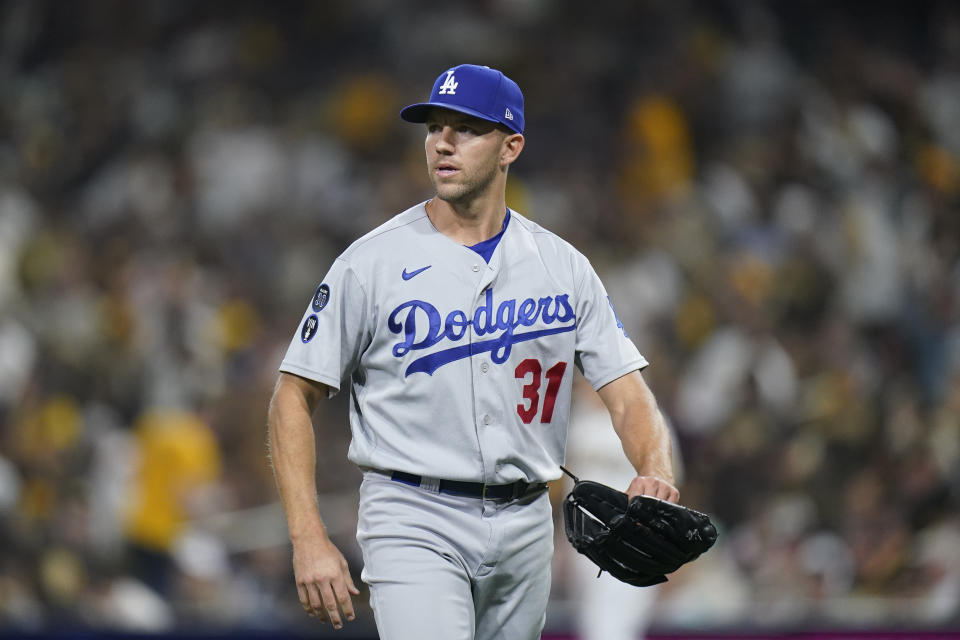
(293, 457)
(646, 440)
(638, 422)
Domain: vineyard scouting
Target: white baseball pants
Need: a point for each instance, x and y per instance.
(450, 567)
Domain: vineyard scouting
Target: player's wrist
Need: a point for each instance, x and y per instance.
(312, 533)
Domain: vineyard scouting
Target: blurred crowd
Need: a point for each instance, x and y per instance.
(770, 191)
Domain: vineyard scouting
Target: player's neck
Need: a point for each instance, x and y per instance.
(469, 224)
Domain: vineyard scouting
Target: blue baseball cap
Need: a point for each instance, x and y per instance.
(478, 91)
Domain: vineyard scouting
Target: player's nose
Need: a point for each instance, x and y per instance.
(445, 139)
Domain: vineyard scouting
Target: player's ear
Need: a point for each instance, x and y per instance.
(511, 148)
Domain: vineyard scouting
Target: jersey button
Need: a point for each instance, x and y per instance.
(484, 367)
(486, 419)
(476, 267)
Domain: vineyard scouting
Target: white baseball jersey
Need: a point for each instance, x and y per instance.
(459, 368)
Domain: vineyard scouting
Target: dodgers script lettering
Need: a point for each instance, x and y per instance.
(499, 321)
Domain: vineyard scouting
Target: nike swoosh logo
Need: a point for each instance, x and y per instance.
(406, 275)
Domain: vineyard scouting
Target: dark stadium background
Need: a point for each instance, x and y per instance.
(769, 189)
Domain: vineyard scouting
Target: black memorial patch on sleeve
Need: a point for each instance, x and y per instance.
(320, 297)
(309, 328)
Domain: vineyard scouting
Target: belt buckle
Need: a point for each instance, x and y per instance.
(517, 490)
(486, 497)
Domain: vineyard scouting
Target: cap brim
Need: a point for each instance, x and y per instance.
(418, 112)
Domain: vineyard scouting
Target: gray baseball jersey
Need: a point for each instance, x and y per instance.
(459, 368)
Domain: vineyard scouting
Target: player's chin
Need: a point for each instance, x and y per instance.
(452, 193)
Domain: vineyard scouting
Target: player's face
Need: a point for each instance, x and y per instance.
(463, 155)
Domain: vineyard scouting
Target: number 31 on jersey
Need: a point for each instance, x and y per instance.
(531, 368)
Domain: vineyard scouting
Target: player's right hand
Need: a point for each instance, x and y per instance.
(323, 580)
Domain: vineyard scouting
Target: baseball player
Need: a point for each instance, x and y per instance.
(455, 327)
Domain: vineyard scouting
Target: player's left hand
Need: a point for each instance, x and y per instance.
(640, 539)
(653, 487)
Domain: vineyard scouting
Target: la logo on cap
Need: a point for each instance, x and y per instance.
(449, 86)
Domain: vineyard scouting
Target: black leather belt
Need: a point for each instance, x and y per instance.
(512, 491)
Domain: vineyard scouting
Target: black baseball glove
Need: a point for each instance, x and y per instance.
(637, 541)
